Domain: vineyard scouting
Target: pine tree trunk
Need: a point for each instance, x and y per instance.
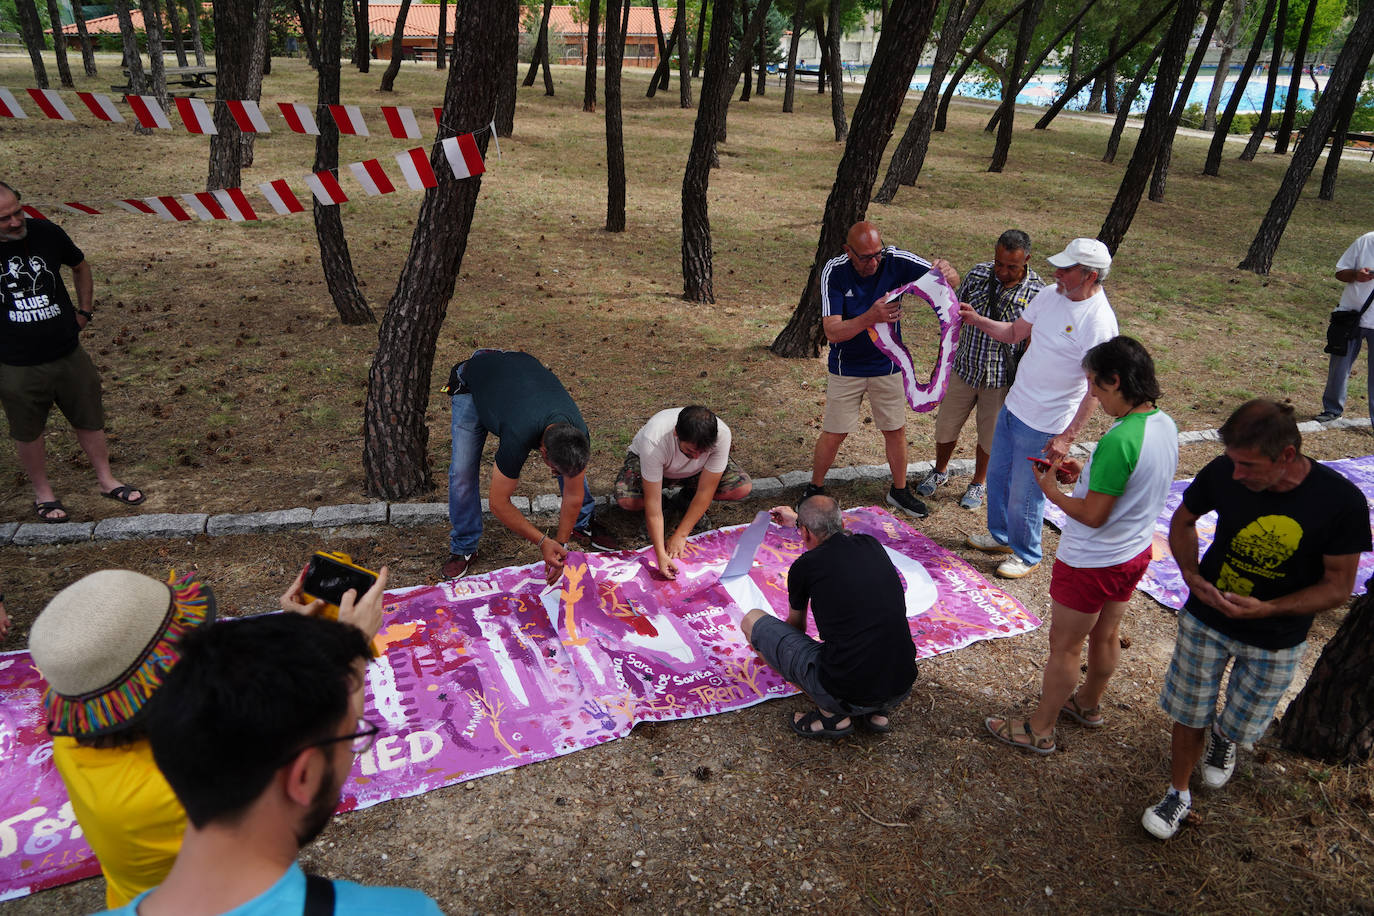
(1128, 102)
(1155, 129)
(615, 132)
(660, 78)
(305, 15)
(661, 71)
(64, 70)
(823, 43)
(362, 49)
(716, 87)
(832, 29)
(1332, 718)
(32, 29)
(234, 34)
(1011, 84)
(1351, 65)
(701, 35)
(1028, 72)
(790, 83)
(541, 46)
(508, 86)
(152, 30)
(1290, 106)
(894, 62)
(395, 430)
(1228, 48)
(1270, 86)
(193, 20)
(684, 67)
(589, 82)
(1213, 164)
(441, 39)
(393, 66)
(761, 64)
(1338, 132)
(174, 23)
(334, 257)
(969, 58)
(262, 22)
(1161, 174)
(740, 62)
(138, 83)
(87, 51)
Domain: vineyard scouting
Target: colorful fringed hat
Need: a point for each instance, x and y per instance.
(105, 643)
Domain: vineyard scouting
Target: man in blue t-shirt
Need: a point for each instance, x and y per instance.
(256, 730)
(41, 359)
(854, 288)
(1289, 534)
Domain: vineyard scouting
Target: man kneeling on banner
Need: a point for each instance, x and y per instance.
(866, 663)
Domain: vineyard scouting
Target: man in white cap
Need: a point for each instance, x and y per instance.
(1049, 401)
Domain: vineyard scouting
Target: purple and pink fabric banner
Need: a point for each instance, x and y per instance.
(1162, 580)
(492, 672)
(933, 289)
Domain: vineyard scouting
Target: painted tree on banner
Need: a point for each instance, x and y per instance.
(395, 431)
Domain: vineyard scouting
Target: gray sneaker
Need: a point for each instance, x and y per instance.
(974, 496)
(931, 482)
(1326, 416)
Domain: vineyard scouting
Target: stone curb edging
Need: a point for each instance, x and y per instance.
(170, 525)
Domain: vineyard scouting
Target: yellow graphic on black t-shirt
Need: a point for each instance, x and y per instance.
(1257, 551)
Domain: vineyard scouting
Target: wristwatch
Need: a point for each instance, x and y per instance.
(90, 316)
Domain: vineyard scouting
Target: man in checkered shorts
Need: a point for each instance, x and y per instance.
(1289, 535)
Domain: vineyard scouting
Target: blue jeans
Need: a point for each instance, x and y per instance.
(1016, 504)
(464, 480)
(1338, 376)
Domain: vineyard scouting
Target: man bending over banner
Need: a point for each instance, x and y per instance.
(689, 446)
(515, 396)
(854, 286)
(866, 662)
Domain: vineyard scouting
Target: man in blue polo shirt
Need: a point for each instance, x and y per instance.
(854, 287)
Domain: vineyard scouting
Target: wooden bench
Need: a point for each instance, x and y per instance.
(182, 81)
(1353, 140)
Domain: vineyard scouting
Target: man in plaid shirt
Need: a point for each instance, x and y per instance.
(983, 367)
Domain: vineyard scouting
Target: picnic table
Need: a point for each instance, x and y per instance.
(1359, 141)
(180, 80)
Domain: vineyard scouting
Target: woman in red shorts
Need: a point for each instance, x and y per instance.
(1106, 543)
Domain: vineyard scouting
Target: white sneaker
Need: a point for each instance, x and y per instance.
(987, 543)
(1219, 762)
(1014, 567)
(1163, 820)
(931, 482)
(974, 496)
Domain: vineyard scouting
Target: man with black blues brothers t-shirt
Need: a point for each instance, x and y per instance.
(1289, 534)
(41, 359)
(854, 287)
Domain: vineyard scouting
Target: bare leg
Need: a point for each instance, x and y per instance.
(827, 447)
(1068, 629)
(1187, 749)
(894, 440)
(943, 452)
(93, 444)
(980, 465)
(33, 459)
(1104, 652)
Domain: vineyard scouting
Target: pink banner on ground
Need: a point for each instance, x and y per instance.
(491, 672)
(936, 292)
(1164, 583)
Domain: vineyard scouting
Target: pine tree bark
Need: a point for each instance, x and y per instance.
(152, 31)
(1338, 132)
(661, 71)
(894, 62)
(87, 50)
(393, 66)
(589, 82)
(739, 63)
(1160, 178)
(1107, 64)
(743, 53)
(138, 83)
(362, 30)
(969, 57)
(1213, 164)
(1011, 84)
(1155, 129)
(1028, 72)
(305, 15)
(541, 51)
(1351, 65)
(1270, 85)
(684, 69)
(395, 433)
(234, 32)
(193, 20)
(1290, 106)
(660, 78)
(761, 63)
(31, 27)
(441, 39)
(909, 157)
(174, 23)
(334, 257)
(790, 83)
(716, 88)
(1332, 718)
(1128, 101)
(508, 87)
(832, 37)
(615, 131)
(823, 43)
(701, 35)
(1228, 48)
(64, 70)
(257, 67)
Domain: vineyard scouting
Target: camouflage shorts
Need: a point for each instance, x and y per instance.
(630, 483)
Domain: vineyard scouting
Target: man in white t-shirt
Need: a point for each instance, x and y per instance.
(689, 446)
(1356, 270)
(1049, 402)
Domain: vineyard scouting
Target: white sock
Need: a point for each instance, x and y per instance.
(1185, 795)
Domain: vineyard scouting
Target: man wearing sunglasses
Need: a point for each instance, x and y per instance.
(256, 732)
(854, 287)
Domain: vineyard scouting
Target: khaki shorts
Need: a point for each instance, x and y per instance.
(844, 394)
(958, 404)
(29, 392)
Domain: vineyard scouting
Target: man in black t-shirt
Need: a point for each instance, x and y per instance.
(513, 396)
(867, 662)
(41, 360)
(1289, 535)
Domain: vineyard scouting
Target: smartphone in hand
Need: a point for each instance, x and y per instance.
(329, 575)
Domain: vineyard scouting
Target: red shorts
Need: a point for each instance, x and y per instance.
(1086, 590)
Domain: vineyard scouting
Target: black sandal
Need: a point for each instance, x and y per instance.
(45, 512)
(803, 725)
(872, 726)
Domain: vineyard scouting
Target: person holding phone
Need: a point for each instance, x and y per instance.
(1107, 542)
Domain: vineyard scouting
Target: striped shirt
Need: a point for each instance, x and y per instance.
(980, 360)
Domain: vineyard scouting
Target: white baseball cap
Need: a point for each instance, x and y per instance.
(1088, 252)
